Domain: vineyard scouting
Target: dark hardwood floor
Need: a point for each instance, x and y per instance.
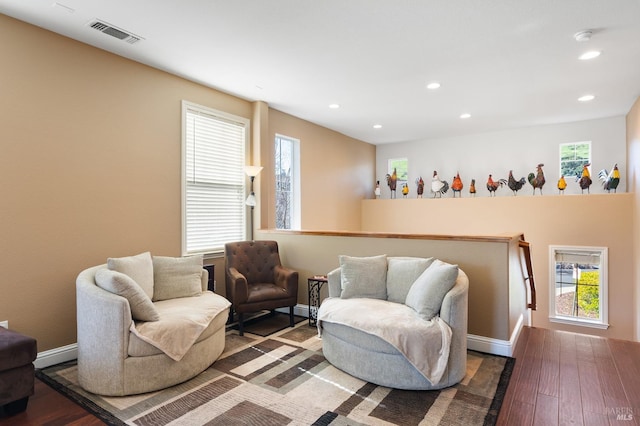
(559, 379)
(572, 379)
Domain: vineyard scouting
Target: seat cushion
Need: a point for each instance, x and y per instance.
(138, 347)
(259, 292)
(16, 350)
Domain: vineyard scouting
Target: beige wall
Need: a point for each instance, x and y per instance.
(633, 175)
(585, 220)
(337, 172)
(90, 167)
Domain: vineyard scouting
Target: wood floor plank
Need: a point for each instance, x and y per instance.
(518, 354)
(590, 389)
(550, 367)
(546, 413)
(521, 414)
(570, 403)
(527, 386)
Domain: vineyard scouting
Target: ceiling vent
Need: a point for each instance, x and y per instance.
(115, 32)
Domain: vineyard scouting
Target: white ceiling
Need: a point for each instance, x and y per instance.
(508, 63)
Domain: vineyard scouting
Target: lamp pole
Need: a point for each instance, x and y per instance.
(252, 172)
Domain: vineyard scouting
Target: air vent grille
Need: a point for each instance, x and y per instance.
(115, 32)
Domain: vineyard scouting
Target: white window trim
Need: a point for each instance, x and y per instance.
(296, 209)
(186, 105)
(603, 322)
(560, 155)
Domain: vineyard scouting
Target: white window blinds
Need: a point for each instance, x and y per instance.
(214, 181)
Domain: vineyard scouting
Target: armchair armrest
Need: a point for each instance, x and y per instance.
(287, 279)
(236, 286)
(335, 284)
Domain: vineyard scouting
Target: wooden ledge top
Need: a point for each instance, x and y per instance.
(506, 238)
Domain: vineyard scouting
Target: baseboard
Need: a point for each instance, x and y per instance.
(56, 356)
(496, 346)
(298, 310)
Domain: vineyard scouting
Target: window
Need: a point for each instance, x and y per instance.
(287, 167)
(578, 293)
(573, 156)
(402, 168)
(213, 179)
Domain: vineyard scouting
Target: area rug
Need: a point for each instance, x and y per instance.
(283, 379)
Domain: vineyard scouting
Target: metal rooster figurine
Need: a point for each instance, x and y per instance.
(515, 185)
(420, 184)
(456, 186)
(562, 185)
(438, 187)
(391, 181)
(585, 180)
(537, 180)
(610, 180)
(492, 185)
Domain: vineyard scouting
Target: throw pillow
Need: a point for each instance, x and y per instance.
(123, 285)
(401, 274)
(363, 277)
(427, 292)
(177, 277)
(139, 267)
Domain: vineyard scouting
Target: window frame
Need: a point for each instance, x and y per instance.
(582, 161)
(242, 230)
(603, 321)
(294, 209)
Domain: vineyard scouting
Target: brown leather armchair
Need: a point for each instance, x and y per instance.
(256, 280)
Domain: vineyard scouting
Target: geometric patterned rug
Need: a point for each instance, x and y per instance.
(283, 379)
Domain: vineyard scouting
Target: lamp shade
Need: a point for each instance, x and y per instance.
(252, 171)
(251, 200)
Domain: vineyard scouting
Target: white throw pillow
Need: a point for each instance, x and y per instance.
(363, 277)
(123, 285)
(177, 277)
(138, 267)
(402, 273)
(427, 292)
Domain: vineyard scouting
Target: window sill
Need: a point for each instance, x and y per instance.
(579, 322)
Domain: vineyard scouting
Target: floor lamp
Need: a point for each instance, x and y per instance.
(252, 172)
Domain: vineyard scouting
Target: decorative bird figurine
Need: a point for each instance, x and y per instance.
(515, 185)
(420, 184)
(492, 185)
(391, 181)
(610, 180)
(472, 188)
(456, 185)
(585, 180)
(537, 180)
(438, 187)
(562, 185)
(405, 190)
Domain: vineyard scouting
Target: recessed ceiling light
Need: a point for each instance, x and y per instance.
(377, 126)
(586, 98)
(334, 106)
(433, 86)
(465, 115)
(589, 55)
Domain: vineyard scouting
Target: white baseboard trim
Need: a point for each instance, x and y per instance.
(496, 346)
(56, 356)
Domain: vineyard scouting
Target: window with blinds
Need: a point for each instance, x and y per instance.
(213, 158)
(578, 291)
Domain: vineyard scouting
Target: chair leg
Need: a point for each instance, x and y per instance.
(241, 324)
(291, 322)
(230, 319)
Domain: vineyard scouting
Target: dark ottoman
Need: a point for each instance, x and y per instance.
(17, 353)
